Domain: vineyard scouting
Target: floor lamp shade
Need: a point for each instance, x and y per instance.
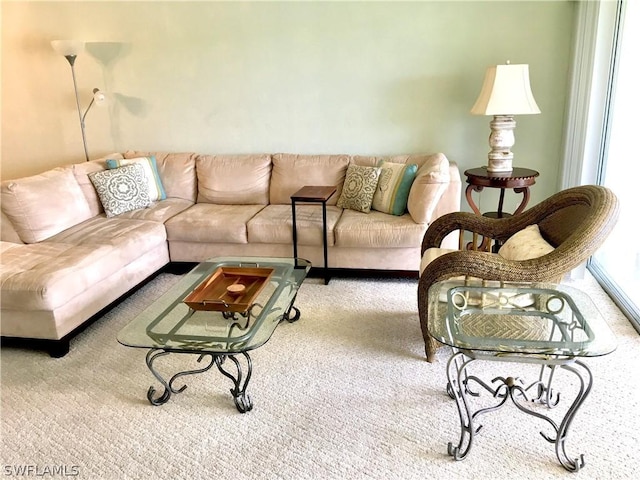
(506, 92)
(68, 47)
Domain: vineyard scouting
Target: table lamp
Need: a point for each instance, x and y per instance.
(506, 92)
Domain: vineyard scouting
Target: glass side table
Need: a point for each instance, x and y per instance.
(554, 326)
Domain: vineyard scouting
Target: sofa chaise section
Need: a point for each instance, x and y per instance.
(55, 274)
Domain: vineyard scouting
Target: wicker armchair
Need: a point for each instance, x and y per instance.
(575, 221)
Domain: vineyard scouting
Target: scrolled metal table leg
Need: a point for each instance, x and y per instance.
(457, 389)
(239, 391)
(169, 389)
(287, 315)
(191, 372)
(586, 382)
(166, 395)
(292, 318)
(545, 394)
(517, 393)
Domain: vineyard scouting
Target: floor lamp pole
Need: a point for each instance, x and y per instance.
(71, 59)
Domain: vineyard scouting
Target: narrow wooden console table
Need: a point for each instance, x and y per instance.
(313, 194)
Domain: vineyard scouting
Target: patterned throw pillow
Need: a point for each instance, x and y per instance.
(122, 189)
(156, 190)
(359, 187)
(393, 187)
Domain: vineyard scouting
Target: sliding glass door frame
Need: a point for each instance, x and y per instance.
(597, 40)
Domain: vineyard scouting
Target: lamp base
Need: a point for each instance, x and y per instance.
(501, 140)
(500, 165)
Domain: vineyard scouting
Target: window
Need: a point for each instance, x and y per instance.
(617, 264)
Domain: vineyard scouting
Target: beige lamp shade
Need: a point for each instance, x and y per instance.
(506, 91)
(68, 47)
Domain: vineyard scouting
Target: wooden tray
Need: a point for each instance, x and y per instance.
(212, 294)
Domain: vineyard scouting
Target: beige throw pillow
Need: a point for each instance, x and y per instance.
(525, 245)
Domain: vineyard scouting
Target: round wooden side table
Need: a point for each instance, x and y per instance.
(518, 179)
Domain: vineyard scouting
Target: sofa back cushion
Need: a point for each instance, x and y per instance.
(7, 232)
(233, 179)
(177, 172)
(82, 170)
(43, 205)
(292, 172)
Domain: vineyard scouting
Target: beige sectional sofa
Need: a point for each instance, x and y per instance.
(63, 260)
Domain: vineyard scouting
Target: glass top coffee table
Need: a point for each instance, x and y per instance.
(219, 311)
(546, 324)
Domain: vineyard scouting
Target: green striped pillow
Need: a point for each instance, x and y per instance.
(393, 187)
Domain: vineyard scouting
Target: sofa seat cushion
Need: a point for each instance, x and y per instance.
(377, 229)
(159, 211)
(43, 205)
(44, 276)
(131, 238)
(430, 254)
(274, 224)
(211, 223)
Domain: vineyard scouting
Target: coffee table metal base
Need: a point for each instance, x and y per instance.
(461, 385)
(240, 382)
(239, 391)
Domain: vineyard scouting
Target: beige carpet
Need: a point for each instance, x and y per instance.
(344, 393)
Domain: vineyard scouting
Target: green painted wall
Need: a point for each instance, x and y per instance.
(303, 77)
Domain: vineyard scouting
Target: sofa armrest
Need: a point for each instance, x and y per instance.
(450, 200)
(435, 191)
